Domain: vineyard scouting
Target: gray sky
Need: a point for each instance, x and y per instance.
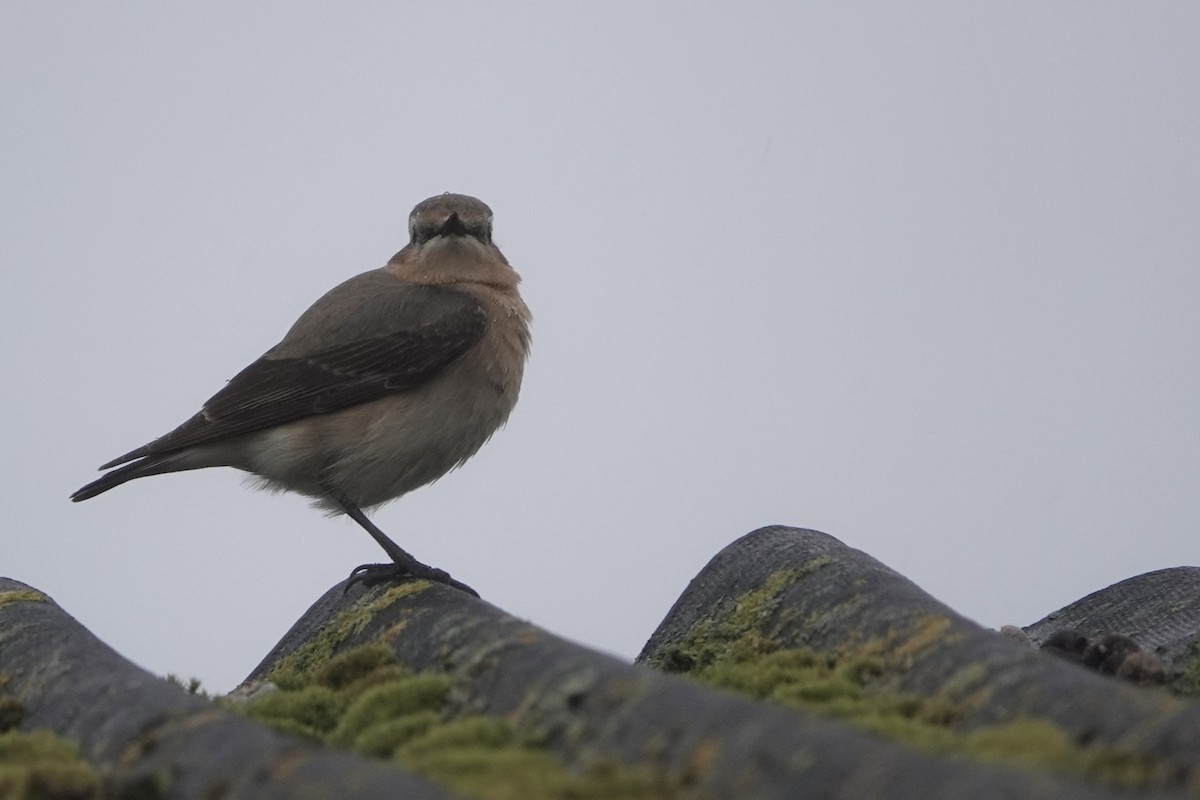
(924, 278)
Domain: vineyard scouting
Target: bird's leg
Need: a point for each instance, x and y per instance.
(403, 564)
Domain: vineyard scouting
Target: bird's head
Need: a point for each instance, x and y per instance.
(451, 242)
(450, 215)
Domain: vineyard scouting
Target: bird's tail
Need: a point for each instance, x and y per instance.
(149, 465)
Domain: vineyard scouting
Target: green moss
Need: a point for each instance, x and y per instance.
(499, 773)
(738, 652)
(23, 596)
(320, 648)
(385, 737)
(841, 687)
(483, 757)
(351, 667)
(392, 700)
(740, 630)
(365, 701)
(1042, 744)
(312, 711)
(41, 766)
(478, 758)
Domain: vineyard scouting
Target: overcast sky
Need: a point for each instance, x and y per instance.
(923, 277)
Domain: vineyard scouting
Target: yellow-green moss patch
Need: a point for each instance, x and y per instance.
(320, 647)
(483, 758)
(41, 766)
(713, 639)
(23, 596)
(365, 701)
(826, 685)
(738, 652)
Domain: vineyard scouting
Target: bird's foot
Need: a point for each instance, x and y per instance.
(372, 574)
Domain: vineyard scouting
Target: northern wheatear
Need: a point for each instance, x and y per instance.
(386, 383)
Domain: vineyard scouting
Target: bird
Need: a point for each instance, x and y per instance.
(387, 382)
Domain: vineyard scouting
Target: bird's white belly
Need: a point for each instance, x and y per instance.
(380, 450)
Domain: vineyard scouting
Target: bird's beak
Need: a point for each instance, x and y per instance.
(453, 225)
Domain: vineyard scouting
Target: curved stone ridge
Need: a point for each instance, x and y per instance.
(782, 588)
(588, 708)
(153, 739)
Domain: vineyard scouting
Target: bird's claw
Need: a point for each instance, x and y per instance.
(372, 574)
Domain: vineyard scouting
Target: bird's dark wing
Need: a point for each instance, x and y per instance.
(422, 329)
